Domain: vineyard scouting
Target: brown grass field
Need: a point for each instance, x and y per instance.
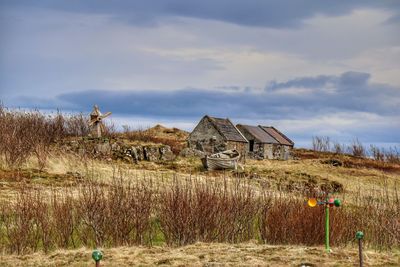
(179, 214)
(278, 176)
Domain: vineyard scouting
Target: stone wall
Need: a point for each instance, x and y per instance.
(268, 151)
(282, 152)
(135, 153)
(120, 150)
(287, 152)
(206, 138)
(257, 153)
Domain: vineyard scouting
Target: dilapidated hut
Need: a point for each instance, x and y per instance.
(266, 142)
(212, 135)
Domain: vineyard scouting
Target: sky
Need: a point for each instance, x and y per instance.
(307, 67)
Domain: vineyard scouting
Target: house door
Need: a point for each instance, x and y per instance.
(251, 145)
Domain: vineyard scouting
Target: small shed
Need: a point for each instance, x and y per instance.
(213, 135)
(266, 142)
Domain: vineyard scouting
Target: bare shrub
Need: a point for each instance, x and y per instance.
(129, 212)
(193, 211)
(392, 155)
(377, 213)
(290, 221)
(187, 211)
(19, 219)
(110, 130)
(23, 134)
(15, 142)
(76, 125)
(45, 130)
(64, 218)
(119, 214)
(380, 213)
(43, 220)
(357, 149)
(91, 205)
(338, 148)
(321, 143)
(377, 153)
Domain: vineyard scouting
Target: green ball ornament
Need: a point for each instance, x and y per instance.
(97, 255)
(337, 202)
(359, 235)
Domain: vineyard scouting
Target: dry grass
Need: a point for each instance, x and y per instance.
(207, 254)
(281, 174)
(263, 202)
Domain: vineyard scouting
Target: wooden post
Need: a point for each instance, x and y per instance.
(360, 236)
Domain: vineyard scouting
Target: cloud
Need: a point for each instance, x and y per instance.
(260, 13)
(51, 51)
(325, 94)
(353, 80)
(342, 106)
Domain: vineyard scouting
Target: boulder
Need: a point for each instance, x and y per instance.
(103, 148)
(190, 152)
(166, 153)
(151, 153)
(137, 153)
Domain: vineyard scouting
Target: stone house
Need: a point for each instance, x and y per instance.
(213, 135)
(266, 142)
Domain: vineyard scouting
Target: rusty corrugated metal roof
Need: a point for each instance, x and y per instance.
(227, 129)
(280, 137)
(258, 133)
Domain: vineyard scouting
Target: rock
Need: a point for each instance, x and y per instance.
(137, 153)
(151, 153)
(103, 148)
(115, 147)
(166, 153)
(190, 152)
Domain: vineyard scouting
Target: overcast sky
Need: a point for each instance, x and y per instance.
(306, 67)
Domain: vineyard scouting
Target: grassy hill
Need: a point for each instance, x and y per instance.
(192, 216)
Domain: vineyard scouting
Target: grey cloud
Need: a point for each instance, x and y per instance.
(263, 13)
(303, 82)
(353, 79)
(349, 92)
(372, 108)
(350, 79)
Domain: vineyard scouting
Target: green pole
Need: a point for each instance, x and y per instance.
(327, 228)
